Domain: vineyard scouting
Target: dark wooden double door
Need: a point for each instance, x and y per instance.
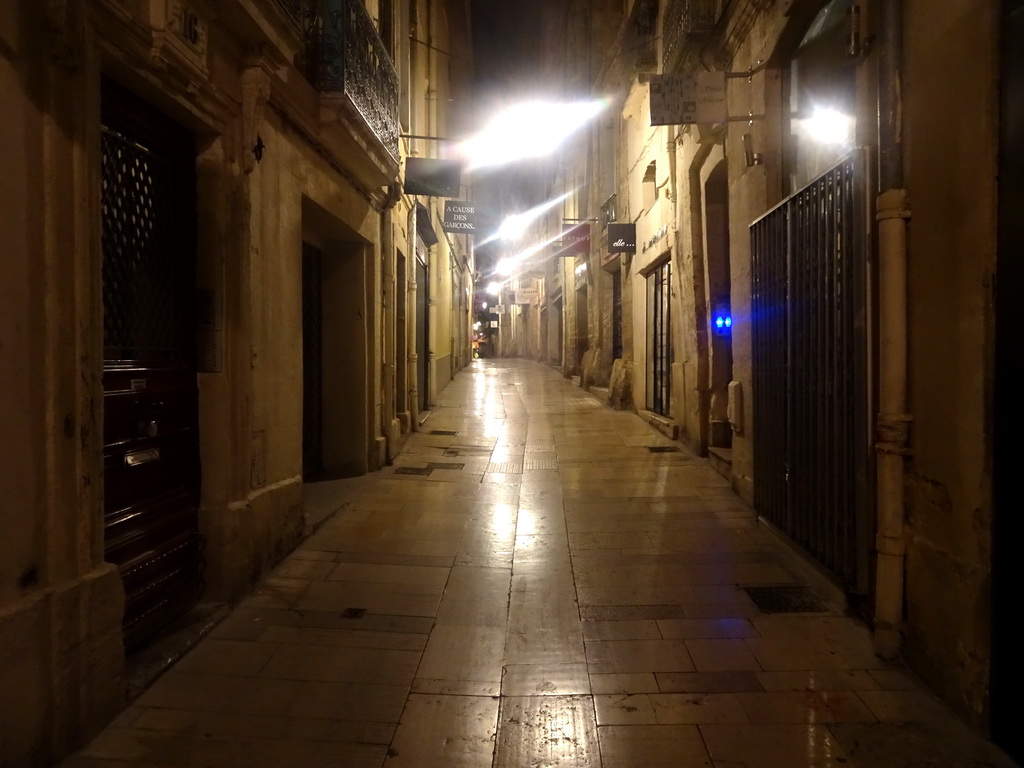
(150, 395)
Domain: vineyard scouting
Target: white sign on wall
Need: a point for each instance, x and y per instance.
(527, 296)
(682, 99)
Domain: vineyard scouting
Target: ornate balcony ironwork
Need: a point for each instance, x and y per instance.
(347, 56)
(292, 9)
(683, 20)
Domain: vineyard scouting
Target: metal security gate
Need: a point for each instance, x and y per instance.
(151, 448)
(659, 353)
(811, 391)
(312, 362)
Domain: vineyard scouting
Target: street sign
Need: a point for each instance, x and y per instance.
(621, 238)
(459, 217)
(527, 295)
(575, 239)
(688, 99)
(434, 178)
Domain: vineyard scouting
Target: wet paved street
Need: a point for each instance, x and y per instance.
(552, 593)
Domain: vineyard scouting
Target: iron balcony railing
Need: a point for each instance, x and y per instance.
(683, 20)
(345, 55)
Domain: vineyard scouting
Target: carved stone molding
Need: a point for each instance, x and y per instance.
(65, 38)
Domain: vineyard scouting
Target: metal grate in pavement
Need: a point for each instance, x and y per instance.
(786, 599)
(413, 470)
(662, 449)
(449, 432)
(446, 464)
(505, 467)
(540, 464)
(467, 450)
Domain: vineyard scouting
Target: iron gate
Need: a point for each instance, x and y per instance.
(811, 391)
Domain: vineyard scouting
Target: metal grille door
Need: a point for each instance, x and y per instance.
(810, 369)
(151, 448)
(660, 343)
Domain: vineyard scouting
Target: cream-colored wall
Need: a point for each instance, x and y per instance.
(950, 128)
(61, 654)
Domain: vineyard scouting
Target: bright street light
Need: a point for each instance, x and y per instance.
(829, 126)
(531, 129)
(494, 289)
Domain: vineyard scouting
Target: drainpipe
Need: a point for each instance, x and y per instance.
(892, 429)
(412, 375)
(389, 346)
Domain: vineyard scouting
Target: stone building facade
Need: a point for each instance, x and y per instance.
(213, 290)
(811, 300)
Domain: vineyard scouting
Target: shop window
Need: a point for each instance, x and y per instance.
(659, 342)
(650, 186)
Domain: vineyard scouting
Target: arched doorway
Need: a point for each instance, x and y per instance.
(715, 204)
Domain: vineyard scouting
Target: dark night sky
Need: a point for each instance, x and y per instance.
(506, 37)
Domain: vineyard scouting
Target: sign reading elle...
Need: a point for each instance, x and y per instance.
(622, 238)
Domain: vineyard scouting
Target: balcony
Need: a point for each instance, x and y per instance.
(684, 22)
(346, 60)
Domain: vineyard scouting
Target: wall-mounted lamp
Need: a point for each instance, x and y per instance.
(750, 157)
(257, 150)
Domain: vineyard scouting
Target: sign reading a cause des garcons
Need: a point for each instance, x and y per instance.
(459, 217)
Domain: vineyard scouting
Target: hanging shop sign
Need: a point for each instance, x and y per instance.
(499, 309)
(459, 217)
(622, 238)
(575, 239)
(688, 99)
(527, 295)
(433, 178)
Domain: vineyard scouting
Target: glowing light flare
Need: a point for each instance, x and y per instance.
(515, 226)
(494, 289)
(503, 520)
(530, 129)
(829, 126)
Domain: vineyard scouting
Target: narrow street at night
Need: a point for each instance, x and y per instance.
(538, 580)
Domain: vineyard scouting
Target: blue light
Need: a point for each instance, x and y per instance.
(728, 322)
(719, 322)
